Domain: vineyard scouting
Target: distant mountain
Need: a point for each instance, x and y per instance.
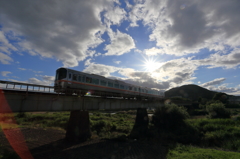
(191, 91)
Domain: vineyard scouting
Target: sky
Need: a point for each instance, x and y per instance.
(158, 44)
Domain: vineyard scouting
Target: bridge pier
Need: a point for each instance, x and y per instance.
(140, 127)
(78, 128)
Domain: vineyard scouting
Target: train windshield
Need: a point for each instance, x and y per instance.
(61, 73)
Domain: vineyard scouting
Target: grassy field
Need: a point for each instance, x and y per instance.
(221, 135)
(191, 152)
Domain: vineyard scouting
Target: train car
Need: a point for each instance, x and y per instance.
(70, 81)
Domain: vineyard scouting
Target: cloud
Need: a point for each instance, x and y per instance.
(180, 27)
(117, 62)
(5, 46)
(114, 16)
(120, 43)
(224, 88)
(5, 73)
(47, 80)
(23, 69)
(177, 71)
(213, 82)
(100, 69)
(5, 59)
(230, 60)
(153, 51)
(64, 30)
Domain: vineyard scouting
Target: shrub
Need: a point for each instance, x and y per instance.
(169, 117)
(217, 110)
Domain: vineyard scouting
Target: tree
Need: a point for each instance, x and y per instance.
(217, 110)
(223, 97)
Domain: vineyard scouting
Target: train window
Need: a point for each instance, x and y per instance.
(146, 91)
(61, 73)
(95, 81)
(79, 78)
(110, 84)
(126, 87)
(84, 78)
(116, 85)
(121, 87)
(103, 83)
(88, 79)
(135, 89)
(74, 77)
(69, 75)
(130, 88)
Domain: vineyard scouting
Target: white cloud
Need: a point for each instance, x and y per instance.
(23, 69)
(180, 27)
(117, 62)
(120, 43)
(114, 16)
(213, 82)
(64, 30)
(224, 88)
(153, 51)
(5, 73)
(87, 62)
(100, 69)
(5, 46)
(5, 59)
(230, 60)
(46, 80)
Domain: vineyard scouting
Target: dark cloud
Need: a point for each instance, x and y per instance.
(62, 29)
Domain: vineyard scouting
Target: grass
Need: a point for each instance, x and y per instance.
(43, 120)
(223, 134)
(111, 125)
(190, 152)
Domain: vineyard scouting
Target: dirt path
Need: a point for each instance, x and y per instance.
(50, 143)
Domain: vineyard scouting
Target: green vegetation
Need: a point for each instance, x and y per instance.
(217, 110)
(189, 152)
(169, 117)
(170, 124)
(222, 133)
(111, 125)
(48, 119)
(102, 125)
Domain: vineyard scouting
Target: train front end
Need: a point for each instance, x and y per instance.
(60, 80)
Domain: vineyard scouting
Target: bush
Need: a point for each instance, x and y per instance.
(169, 117)
(217, 110)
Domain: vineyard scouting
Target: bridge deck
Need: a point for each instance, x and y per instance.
(22, 101)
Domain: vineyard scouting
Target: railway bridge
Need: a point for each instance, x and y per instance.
(24, 97)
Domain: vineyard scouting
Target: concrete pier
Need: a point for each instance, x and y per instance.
(140, 127)
(78, 128)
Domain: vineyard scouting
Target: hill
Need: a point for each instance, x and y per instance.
(191, 91)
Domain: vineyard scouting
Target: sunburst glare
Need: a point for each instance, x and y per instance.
(151, 65)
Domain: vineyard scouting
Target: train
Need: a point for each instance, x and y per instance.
(69, 82)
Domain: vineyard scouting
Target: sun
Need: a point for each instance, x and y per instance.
(151, 65)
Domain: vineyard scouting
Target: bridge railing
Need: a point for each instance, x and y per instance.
(25, 87)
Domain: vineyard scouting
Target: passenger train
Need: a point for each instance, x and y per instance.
(70, 81)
